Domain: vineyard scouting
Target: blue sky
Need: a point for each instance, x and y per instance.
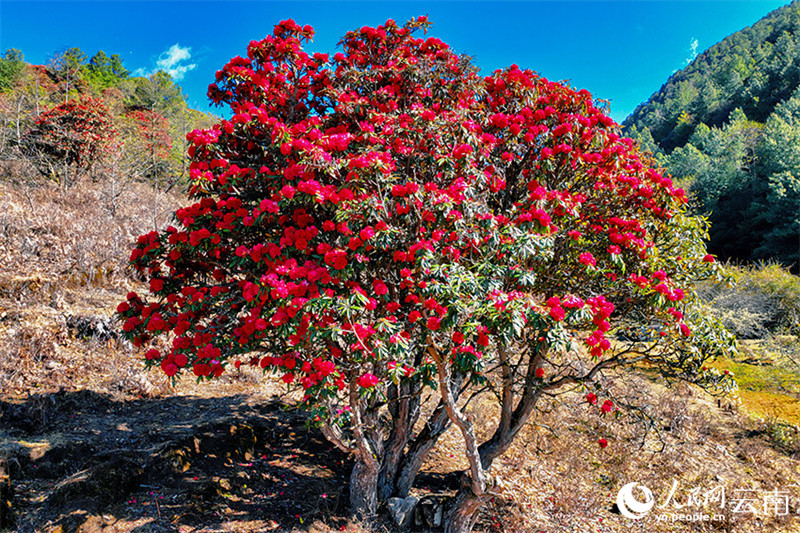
(621, 51)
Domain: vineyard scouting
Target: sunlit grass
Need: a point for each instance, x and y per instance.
(769, 384)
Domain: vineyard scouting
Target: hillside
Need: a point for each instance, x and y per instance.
(78, 117)
(753, 69)
(94, 442)
(727, 128)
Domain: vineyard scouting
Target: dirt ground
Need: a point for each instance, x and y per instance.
(83, 461)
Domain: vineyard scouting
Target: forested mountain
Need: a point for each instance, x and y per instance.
(753, 69)
(78, 116)
(727, 127)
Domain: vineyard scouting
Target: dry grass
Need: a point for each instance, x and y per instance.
(62, 257)
(557, 479)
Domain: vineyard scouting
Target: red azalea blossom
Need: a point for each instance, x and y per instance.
(483, 339)
(607, 406)
(380, 287)
(368, 380)
(557, 313)
(434, 323)
(587, 259)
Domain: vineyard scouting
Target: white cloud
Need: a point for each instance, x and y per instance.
(174, 61)
(692, 51)
(171, 61)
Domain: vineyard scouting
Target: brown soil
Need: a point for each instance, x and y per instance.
(83, 461)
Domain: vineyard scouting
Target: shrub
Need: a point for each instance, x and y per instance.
(389, 224)
(764, 301)
(67, 140)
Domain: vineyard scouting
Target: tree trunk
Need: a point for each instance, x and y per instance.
(419, 447)
(418, 450)
(403, 404)
(364, 491)
(462, 512)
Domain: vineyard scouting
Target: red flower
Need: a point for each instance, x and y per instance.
(483, 339)
(366, 233)
(461, 151)
(553, 301)
(337, 259)
(201, 369)
(288, 191)
(587, 259)
(434, 323)
(602, 442)
(607, 406)
(591, 398)
(169, 368)
(325, 368)
(368, 380)
(540, 373)
(380, 287)
(557, 314)
(708, 258)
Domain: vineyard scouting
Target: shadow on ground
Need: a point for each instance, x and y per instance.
(82, 461)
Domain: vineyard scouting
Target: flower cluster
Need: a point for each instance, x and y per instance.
(153, 129)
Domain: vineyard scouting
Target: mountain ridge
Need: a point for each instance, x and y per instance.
(754, 69)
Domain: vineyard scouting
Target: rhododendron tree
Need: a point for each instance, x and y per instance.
(69, 139)
(147, 143)
(388, 223)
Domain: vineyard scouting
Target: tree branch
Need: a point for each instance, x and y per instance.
(462, 420)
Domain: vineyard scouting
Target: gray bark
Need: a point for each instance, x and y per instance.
(363, 490)
(462, 512)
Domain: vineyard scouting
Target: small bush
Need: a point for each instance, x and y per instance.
(785, 437)
(782, 291)
(765, 301)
